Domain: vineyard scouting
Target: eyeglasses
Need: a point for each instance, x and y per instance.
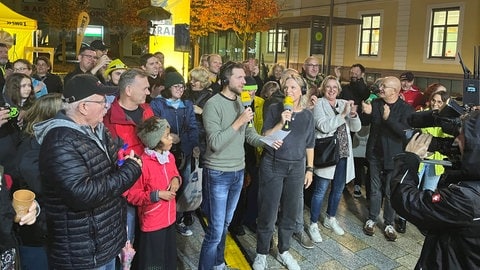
(312, 65)
(20, 69)
(104, 101)
(179, 86)
(386, 86)
(89, 56)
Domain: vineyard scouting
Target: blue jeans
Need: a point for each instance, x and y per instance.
(221, 198)
(380, 186)
(109, 266)
(430, 179)
(33, 258)
(321, 186)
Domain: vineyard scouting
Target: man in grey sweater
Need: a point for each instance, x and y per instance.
(226, 125)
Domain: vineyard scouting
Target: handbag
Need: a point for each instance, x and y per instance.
(326, 152)
(191, 197)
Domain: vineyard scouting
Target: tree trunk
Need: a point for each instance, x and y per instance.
(64, 50)
(245, 49)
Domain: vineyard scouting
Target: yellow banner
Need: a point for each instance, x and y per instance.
(82, 23)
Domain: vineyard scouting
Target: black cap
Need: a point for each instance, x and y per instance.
(98, 45)
(407, 76)
(84, 85)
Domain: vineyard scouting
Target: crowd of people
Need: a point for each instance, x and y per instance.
(109, 148)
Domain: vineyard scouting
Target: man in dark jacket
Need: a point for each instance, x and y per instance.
(450, 216)
(83, 180)
(388, 117)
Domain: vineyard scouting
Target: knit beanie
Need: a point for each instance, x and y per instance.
(151, 131)
(173, 78)
(250, 84)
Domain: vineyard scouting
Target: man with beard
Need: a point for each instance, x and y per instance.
(88, 62)
(226, 126)
(5, 65)
(357, 91)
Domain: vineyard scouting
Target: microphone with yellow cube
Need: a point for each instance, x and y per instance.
(287, 105)
(246, 102)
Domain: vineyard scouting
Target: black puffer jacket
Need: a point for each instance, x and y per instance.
(83, 189)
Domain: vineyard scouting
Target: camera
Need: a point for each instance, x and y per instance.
(12, 111)
(449, 120)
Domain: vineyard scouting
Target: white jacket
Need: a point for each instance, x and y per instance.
(326, 123)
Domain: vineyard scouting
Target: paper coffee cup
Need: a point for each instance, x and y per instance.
(22, 200)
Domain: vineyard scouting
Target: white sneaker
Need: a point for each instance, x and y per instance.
(331, 223)
(260, 262)
(286, 259)
(314, 233)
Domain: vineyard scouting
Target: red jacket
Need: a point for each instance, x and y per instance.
(152, 215)
(120, 125)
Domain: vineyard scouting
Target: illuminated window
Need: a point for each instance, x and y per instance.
(370, 35)
(281, 41)
(444, 32)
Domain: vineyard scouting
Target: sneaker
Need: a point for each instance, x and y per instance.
(369, 228)
(260, 262)
(303, 239)
(390, 233)
(357, 191)
(331, 223)
(286, 259)
(183, 229)
(314, 233)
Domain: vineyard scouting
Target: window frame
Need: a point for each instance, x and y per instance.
(280, 40)
(445, 26)
(371, 30)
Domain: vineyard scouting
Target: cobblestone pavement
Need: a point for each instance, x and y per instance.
(354, 250)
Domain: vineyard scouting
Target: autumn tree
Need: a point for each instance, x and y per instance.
(246, 18)
(203, 20)
(122, 20)
(62, 15)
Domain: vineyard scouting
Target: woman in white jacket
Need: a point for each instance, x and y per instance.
(332, 115)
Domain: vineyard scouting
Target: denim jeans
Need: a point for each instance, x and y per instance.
(380, 186)
(321, 186)
(221, 197)
(280, 186)
(109, 266)
(33, 258)
(430, 179)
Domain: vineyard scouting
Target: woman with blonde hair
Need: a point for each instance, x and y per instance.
(332, 117)
(284, 173)
(275, 73)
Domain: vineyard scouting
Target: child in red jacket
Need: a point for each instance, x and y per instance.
(154, 195)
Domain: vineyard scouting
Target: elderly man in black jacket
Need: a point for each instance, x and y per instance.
(83, 180)
(388, 118)
(449, 216)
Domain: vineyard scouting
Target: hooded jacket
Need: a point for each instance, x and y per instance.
(450, 217)
(82, 185)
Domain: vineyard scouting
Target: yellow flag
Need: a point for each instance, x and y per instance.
(82, 23)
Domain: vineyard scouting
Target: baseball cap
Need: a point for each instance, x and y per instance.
(114, 65)
(408, 76)
(84, 85)
(98, 45)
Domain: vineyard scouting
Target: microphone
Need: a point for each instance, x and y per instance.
(287, 105)
(246, 102)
